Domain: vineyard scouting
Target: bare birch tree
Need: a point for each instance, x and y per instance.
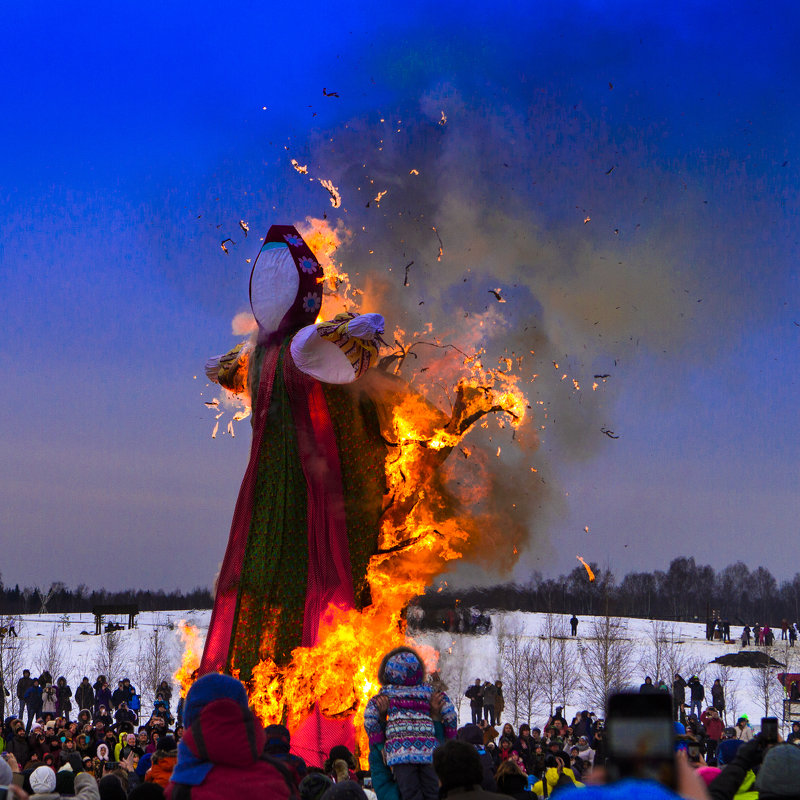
(519, 660)
(605, 654)
(154, 661)
(52, 655)
(12, 655)
(453, 669)
(764, 680)
(110, 656)
(558, 672)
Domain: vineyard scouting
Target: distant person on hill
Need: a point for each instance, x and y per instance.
(475, 696)
(489, 692)
(647, 687)
(698, 694)
(718, 696)
(746, 636)
(84, 694)
(574, 625)
(33, 702)
(23, 684)
(678, 696)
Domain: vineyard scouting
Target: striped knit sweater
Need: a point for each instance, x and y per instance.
(407, 733)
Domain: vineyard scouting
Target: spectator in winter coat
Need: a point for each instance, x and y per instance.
(102, 698)
(743, 729)
(727, 748)
(794, 736)
(164, 759)
(475, 695)
(472, 734)
(119, 695)
(678, 696)
(512, 781)
(124, 715)
(49, 702)
(698, 694)
(574, 625)
(524, 746)
(718, 696)
(220, 755)
(647, 687)
(63, 695)
(408, 734)
(33, 702)
(19, 745)
(557, 775)
(84, 695)
(277, 747)
(489, 692)
(586, 752)
(23, 684)
(459, 771)
(499, 701)
(714, 729)
(746, 636)
(103, 717)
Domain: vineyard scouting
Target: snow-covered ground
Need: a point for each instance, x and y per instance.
(463, 658)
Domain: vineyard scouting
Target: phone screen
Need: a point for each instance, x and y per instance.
(641, 737)
(769, 728)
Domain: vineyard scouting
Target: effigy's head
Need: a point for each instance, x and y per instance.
(285, 284)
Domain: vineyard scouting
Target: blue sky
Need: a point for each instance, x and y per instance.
(131, 132)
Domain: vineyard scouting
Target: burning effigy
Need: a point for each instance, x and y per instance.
(343, 516)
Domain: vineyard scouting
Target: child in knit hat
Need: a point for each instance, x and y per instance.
(407, 733)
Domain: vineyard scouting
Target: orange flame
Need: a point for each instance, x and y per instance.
(588, 569)
(192, 649)
(418, 536)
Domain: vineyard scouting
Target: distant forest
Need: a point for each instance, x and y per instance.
(686, 591)
(58, 599)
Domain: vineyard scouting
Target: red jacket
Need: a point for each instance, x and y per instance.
(714, 726)
(231, 738)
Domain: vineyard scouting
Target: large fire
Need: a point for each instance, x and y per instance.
(192, 651)
(419, 532)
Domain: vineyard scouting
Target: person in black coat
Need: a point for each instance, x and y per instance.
(698, 694)
(33, 702)
(678, 696)
(475, 695)
(718, 696)
(84, 695)
(23, 684)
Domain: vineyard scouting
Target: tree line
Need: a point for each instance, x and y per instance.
(685, 591)
(60, 599)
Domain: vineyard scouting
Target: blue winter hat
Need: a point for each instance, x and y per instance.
(213, 686)
(401, 667)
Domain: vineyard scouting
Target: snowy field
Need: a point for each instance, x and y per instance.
(66, 641)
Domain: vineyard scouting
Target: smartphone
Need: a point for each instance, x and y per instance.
(640, 737)
(769, 729)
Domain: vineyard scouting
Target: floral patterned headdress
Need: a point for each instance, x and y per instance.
(285, 284)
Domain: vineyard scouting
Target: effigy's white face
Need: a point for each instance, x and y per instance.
(274, 283)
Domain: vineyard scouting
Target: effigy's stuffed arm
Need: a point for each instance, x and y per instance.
(230, 370)
(338, 351)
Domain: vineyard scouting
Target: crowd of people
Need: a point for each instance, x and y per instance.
(91, 744)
